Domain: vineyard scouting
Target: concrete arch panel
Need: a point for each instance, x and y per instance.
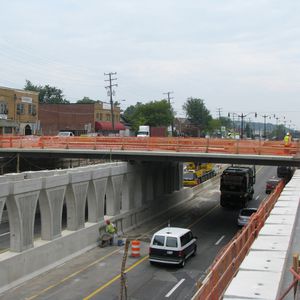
(51, 202)
(117, 188)
(109, 193)
(96, 194)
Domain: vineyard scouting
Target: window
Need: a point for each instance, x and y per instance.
(29, 109)
(101, 117)
(97, 116)
(107, 117)
(171, 242)
(3, 108)
(20, 108)
(159, 240)
(8, 130)
(186, 238)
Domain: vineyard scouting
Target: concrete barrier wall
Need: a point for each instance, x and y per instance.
(128, 190)
(260, 274)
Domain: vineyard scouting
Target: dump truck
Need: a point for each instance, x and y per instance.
(237, 186)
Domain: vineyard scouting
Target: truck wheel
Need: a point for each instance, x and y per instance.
(222, 203)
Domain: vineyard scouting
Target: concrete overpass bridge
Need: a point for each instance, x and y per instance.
(129, 192)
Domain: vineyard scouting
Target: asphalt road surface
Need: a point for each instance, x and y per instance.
(96, 274)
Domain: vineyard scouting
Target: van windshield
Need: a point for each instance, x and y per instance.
(159, 240)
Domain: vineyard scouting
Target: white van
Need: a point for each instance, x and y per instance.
(172, 245)
(65, 133)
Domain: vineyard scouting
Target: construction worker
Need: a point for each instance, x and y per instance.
(110, 227)
(287, 139)
(109, 235)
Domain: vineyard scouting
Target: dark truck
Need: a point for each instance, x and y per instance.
(237, 186)
(285, 172)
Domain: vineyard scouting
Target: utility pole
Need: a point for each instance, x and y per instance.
(169, 101)
(265, 126)
(219, 110)
(110, 86)
(242, 116)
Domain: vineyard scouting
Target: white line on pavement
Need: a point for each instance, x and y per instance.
(219, 240)
(257, 197)
(175, 287)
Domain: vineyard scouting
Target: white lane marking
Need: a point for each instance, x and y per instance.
(219, 240)
(257, 197)
(3, 234)
(175, 287)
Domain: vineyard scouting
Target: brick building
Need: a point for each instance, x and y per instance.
(78, 118)
(18, 111)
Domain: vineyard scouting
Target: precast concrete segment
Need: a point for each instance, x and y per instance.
(76, 195)
(21, 206)
(96, 193)
(51, 202)
(261, 272)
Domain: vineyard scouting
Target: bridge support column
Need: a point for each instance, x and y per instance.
(96, 194)
(21, 207)
(51, 202)
(158, 181)
(76, 195)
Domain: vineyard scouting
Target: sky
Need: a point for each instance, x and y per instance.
(238, 56)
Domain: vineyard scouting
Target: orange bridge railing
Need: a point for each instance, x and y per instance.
(177, 144)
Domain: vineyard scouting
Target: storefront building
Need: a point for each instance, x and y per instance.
(18, 111)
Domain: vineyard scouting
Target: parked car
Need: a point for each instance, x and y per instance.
(245, 215)
(172, 245)
(271, 184)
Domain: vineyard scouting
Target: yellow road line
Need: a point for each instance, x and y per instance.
(72, 275)
(114, 279)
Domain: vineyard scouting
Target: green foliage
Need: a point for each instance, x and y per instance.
(85, 100)
(47, 93)
(197, 113)
(154, 113)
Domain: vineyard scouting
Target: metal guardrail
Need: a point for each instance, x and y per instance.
(175, 144)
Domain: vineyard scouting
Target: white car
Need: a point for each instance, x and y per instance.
(245, 215)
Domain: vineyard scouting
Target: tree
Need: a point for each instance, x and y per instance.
(154, 113)
(197, 113)
(85, 100)
(47, 93)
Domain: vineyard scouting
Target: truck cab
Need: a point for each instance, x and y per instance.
(144, 131)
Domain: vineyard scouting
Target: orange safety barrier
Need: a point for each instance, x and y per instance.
(177, 144)
(231, 256)
(135, 248)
